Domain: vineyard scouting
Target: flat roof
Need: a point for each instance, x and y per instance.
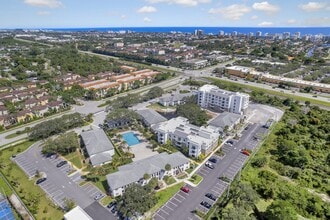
(77, 213)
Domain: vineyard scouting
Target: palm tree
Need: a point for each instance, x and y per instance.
(168, 167)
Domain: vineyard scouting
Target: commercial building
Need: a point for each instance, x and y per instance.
(182, 134)
(247, 72)
(226, 121)
(97, 146)
(212, 97)
(153, 166)
(174, 99)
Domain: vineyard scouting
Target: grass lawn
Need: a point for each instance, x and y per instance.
(263, 204)
(75, 158)
(272, 92)
(40, 206)
(164, 195)
(4, 187)
(170, 181)
(106, 200)
(196, 179)
(102, 184)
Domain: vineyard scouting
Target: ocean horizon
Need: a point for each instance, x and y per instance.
(207, 30)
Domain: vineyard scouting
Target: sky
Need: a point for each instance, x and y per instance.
(163, 13)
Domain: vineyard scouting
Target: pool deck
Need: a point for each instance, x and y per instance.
(140, 150)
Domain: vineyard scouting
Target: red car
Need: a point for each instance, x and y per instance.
(185, 189)
(245, 152)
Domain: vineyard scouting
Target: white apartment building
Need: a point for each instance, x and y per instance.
(181, 133)
(210, 96)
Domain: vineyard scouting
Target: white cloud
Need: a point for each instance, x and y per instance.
(254, 17)
(180, 2)
(43, 13)
(265, 6)
(291, 21)
(232, 12)
(147, 9)
(312, 6)
(123, 17)
(265, 24)
(146, 19)
(44, 3)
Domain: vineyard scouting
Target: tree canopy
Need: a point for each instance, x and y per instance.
(63, 144)
(136, 200)
(55, 126)
(193, 113)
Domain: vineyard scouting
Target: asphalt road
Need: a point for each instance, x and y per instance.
(211, 181)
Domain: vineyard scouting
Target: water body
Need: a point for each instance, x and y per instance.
(207, 30)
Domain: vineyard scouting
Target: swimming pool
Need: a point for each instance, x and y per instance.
(131, 139)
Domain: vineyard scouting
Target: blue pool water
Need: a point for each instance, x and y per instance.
(5, 211)
(131, 139)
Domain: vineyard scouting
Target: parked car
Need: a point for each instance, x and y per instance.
(209, 165)
(206, 204)
(62, 163)
(111, 204)
(185, 189)
(98, 196)
(48, 155)
(245, 152)
(211, 196)
(41, 180)
(230, 142)
(213, 160)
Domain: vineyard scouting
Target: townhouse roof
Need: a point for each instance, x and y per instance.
(97, 145)
(225, 119)
(174, 97)
(151, 116)
(133, 172)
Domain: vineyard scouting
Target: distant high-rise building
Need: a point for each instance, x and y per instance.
(234, 33)
(297, 34)
(198, 32)
(250, 34)
(259, 34)
(286, 35)
(221, 33)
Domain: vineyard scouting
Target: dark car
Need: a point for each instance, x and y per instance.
(62, 163)
(111, 204)
(230, 142)
(114, 209)
(211, 196)
(209, 165)
(213, 160)
(206, 204)
(41, 180)
(49, 154)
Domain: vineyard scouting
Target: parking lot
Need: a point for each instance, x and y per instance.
(92, 191)
(228, 166)
(62, 182)
(164, 212)
(54, 193)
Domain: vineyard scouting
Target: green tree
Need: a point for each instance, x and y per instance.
(136, 200)
(146, 176)
(154, 92)
(280, 210)
(193, 113)
(168, 167)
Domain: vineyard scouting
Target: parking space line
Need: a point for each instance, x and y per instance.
(172, 203)
(181, 195)
(160, 216)
(177, 199)
(164, 211)
(166, 206)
